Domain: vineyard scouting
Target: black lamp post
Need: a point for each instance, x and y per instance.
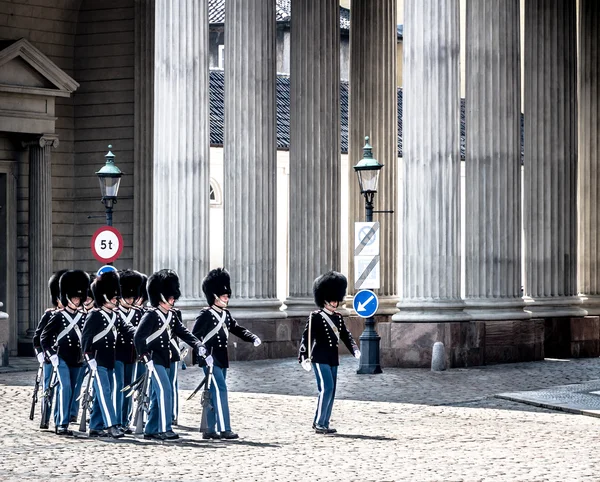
(367, 171)
(110, 179)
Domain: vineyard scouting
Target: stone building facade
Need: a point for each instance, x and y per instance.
(77, 75)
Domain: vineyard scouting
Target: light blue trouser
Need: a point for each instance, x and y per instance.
(326, 381)
(174, 378)
(103, 412)
(121, 378)
(45, 383)
(76, 393)
(218, 418)
(160, 417)
(67, 382)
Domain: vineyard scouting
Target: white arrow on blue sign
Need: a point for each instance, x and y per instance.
(365, 303)
(105, 268)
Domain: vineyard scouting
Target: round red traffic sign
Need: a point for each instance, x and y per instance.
(107, 244)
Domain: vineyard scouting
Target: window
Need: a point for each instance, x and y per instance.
(221, 56)
(214, 193)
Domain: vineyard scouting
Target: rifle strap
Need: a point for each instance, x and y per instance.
(110, 319)
(166, 322)
(72, 325)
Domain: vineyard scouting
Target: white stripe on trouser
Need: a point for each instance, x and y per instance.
(321, 393)
(163, 417)
(175, 394)
(114, 393)
(109, 422)
(60, 393)
(219, 406)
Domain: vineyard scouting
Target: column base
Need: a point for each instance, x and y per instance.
(388, 305)
(428, 311)
(553, 307)
(489, 309)
(190, 309)
(591, 303)
(300, 306)
(256, 309)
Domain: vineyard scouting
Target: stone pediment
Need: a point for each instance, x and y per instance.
(29, 85)
(26, 70)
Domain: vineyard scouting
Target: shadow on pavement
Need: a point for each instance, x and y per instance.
(362, 437)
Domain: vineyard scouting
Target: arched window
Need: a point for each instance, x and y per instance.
(215, 193)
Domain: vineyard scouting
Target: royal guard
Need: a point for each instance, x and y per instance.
(126, 358)
(102, 327)
(153, 343)
(88, 304)
(61, 341)
(37, 345)
(212, 327)
(319, 346)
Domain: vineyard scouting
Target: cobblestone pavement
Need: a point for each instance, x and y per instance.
(411, 425)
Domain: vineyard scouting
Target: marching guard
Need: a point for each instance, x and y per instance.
(212, 327)
(37, 344)
(126, 358)
(153, 343)
(320, 340)
(99, 338)
(61, 341)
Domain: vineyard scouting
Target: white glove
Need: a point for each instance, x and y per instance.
(201, 350)
(150, 366)
(209, 361)
(357, 354)
(257, 341)
(306, 364)
(93, 364)
(54, 360)
(40, 357)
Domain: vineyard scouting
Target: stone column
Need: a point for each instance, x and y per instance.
(181, 146)
(588, 175)
(493, 161)
(250, 160)
(550, 186)
(314, 223)
(374, 113)
(431, 217)
(40, 226)
(143, 150)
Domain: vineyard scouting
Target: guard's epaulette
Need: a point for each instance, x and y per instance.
(315, 312)
(50, 309)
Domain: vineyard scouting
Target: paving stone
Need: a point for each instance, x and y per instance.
(412, 425)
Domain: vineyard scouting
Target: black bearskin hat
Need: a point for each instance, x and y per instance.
(216, 283)
(330, 286)
(54, 287)
(106, 287)
(144, 288)
(92, 278)
(73, 284)
(131, 283)
(164, 282)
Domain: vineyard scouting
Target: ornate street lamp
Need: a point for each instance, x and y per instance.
(367, 171)
(110, 179)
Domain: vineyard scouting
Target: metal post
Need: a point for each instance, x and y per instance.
(369, 339)
(109, 212)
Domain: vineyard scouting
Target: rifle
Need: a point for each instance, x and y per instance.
(143, 403)
(206, 401)
(34, 397)
(87, 400)
(48, 396)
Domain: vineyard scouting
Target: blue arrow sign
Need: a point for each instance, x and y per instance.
(365, 303)
(105, 268)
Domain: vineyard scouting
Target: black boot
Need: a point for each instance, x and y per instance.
(211, 435)
(155, 436)
(170, 435)
(97, 433)
(63, 430)
(229, 435)
(114, 432)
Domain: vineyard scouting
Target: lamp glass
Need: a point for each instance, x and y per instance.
(368, 179)
(109, 185)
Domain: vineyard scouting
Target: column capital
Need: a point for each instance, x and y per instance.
(45, 140)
